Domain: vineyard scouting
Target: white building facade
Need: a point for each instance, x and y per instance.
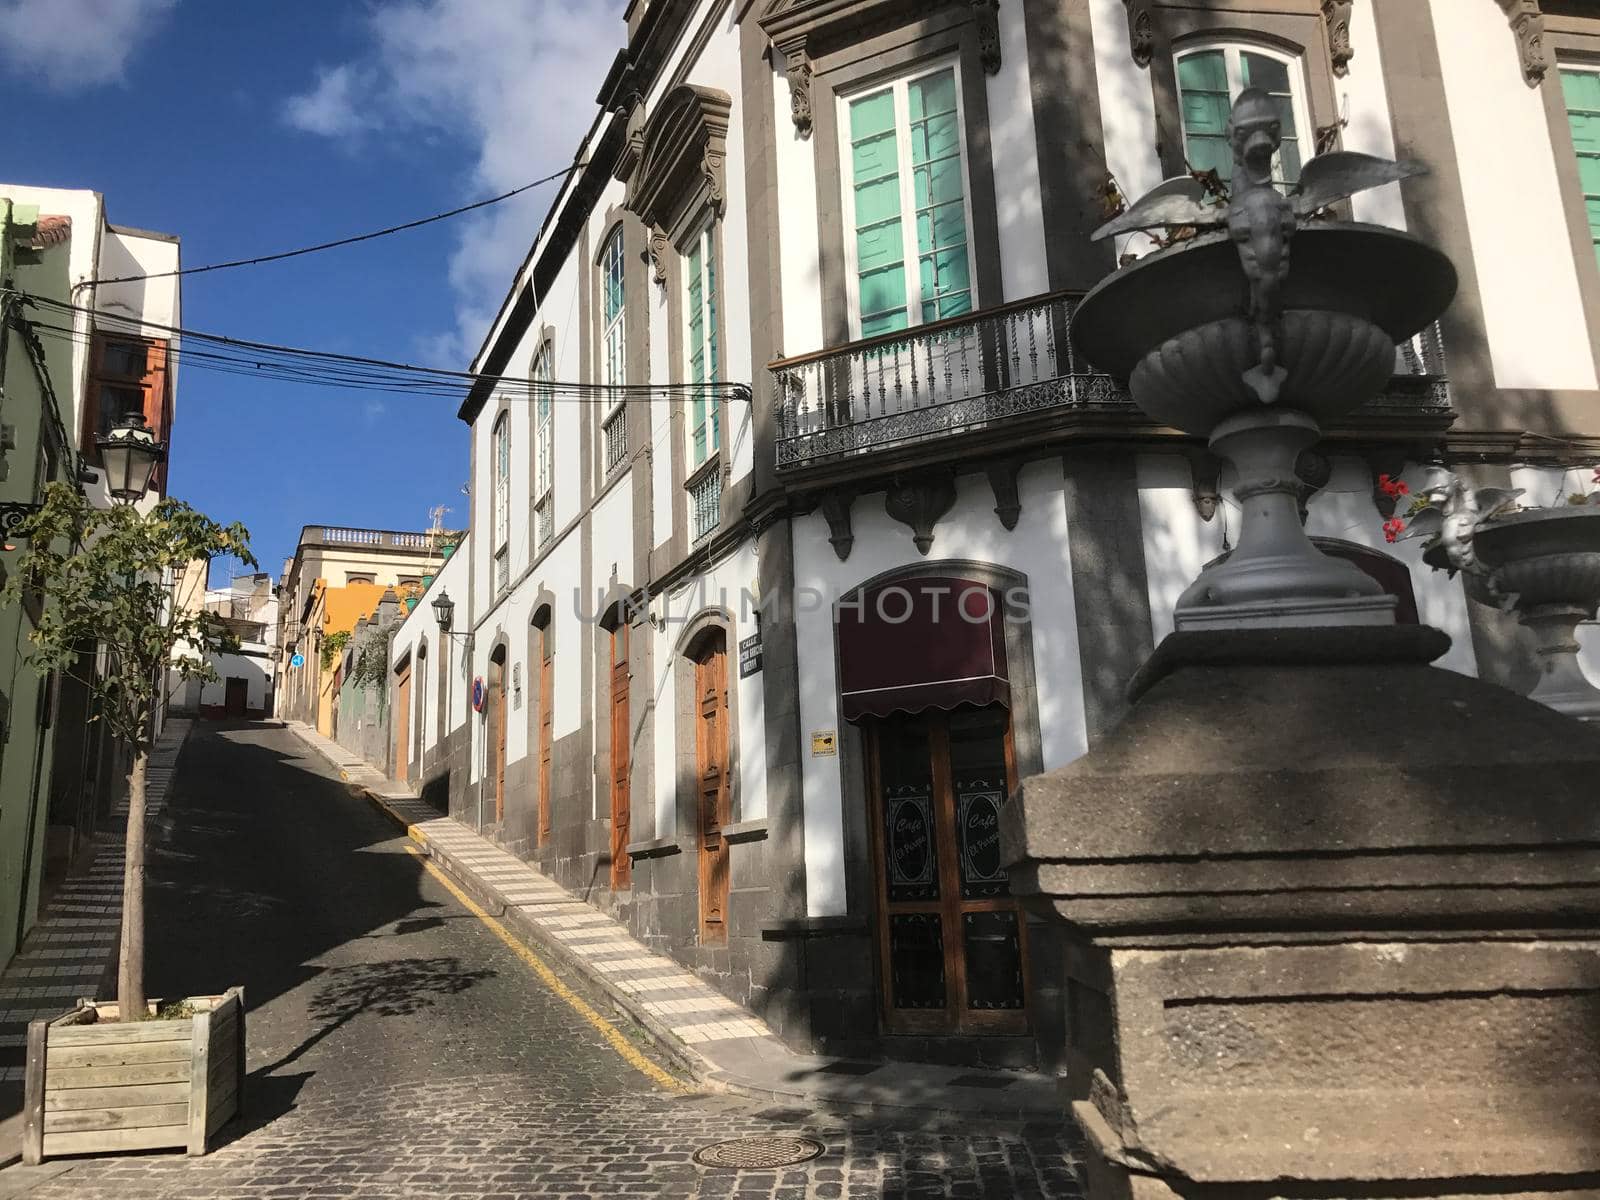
(750, 648)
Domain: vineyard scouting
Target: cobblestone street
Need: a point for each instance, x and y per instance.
(398, 1048)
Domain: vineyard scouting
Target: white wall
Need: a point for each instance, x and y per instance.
(1527, 279)
(1127, 109)
(447, 666)
(1177, 543)
(730, 584)
(1015, 153)
(254, 669)
(1038, 548)
(1365, 101)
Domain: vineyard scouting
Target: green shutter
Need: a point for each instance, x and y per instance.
(880, 248)
(1203, 93)
(697, 353)
(714, 420)
(1582, 92)
(939, 193)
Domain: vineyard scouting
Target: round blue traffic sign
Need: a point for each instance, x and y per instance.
(299, 660)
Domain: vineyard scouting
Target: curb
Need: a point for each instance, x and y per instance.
(688, 1061)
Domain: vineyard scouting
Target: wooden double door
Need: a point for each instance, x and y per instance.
(713, 796)
(952, 943)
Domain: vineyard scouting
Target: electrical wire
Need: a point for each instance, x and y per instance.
(293, 364)
(347, 241)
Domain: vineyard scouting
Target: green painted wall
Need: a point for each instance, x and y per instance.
(27, 701)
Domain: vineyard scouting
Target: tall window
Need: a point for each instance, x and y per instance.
(907, 170)
(700, 310)
(543, 447)
(1210, 80)
(129, 380)
(1581, 87)
(613, 351)
(502, 503)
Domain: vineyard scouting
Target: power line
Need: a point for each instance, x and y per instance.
(348, 241)
(294, 364)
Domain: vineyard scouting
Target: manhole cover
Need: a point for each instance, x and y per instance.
(756, 1153)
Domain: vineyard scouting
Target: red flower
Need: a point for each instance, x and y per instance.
(1393, 528)
(1393, 488)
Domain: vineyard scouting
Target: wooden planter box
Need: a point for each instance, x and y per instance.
(96, 1085)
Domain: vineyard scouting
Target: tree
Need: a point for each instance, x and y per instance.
(99, 575)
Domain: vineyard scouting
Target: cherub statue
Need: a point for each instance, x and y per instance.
(1453, 514)
(1259, 217)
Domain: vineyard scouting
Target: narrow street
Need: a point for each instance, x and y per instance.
(398, 1048)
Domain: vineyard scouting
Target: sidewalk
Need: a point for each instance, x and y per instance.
(72, 951)
(717, 1042)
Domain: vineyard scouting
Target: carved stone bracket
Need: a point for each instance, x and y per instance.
(836, 504)
(1336, 15)
(797, 68)
(986, 17)
(657, 254)
(919, 503)
(1207, 495)
(1527, 26)
(1003, 482)
(675, 161)
(1141, 31)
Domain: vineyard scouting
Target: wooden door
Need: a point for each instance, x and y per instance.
(711, 754)
(499, 736)
(621, 735)
(402, 724)
(546, 728)
(236, 697)
(952, 943)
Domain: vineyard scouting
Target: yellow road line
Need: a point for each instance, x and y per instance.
(618, 1040)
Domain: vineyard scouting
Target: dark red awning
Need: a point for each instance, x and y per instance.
(925, 643)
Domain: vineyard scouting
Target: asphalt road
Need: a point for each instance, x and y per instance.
(398, 1048)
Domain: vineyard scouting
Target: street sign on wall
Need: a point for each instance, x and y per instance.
(299, 660)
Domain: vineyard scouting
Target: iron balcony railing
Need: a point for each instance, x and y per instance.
(705, 502)
(970, 371)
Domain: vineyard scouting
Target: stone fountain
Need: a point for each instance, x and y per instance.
(1333, 914)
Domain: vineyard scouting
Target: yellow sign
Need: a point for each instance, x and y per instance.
(824, 741)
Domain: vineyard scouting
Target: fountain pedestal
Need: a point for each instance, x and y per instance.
(1335, 925)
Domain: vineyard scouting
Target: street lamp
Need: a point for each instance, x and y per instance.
(130, 454)
(444, 610)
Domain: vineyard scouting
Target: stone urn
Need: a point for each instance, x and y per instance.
(1177, 326)
(1544, 563)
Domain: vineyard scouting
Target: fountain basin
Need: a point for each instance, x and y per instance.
(1174, 323)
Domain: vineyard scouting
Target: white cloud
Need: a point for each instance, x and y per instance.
(333, 107)
(73, 44)
(514, 78)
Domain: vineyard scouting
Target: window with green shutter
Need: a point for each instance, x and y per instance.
(1581, 88)
(907, 198)
(700, 311)
(1210, 80)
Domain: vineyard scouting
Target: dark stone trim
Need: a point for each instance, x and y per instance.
(654, 848)
(763, 214)
(806, 928)
(746, 831)
(1527, 28)
(680, 170)
(1070, 140)
(1110, 587)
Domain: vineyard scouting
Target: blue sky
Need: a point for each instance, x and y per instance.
(250, 127)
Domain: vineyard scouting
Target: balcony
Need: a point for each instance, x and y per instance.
(1006, 374)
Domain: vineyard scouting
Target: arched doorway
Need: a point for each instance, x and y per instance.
(713, 794)
(402, 721)
(497, 729)
(925, 676)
